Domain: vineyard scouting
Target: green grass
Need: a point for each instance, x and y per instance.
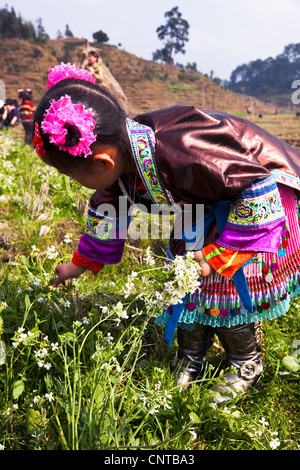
(74, 374)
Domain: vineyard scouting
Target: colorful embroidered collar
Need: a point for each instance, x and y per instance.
(142, 141)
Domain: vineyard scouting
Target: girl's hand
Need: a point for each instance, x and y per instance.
(67, 271)
(206, 268)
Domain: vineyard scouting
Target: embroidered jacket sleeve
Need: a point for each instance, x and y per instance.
(105, 231)
(226, 261)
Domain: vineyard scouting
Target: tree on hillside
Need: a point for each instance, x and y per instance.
(272, 76)
(41, 35)
(68, 32)
(174, 34)
(100, 36)
(13, 26)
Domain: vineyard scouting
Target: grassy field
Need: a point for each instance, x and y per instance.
(85, 367)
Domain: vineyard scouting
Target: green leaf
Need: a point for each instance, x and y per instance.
(34, 421)
(2, 352)
(194, 417)
(291, 363)
(27, 302)
(18, 388)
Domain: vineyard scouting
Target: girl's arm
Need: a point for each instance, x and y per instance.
(13, 121)
(98, 246)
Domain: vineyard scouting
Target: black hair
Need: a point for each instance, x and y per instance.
(25, 95)
(109, 115)
(94, 54)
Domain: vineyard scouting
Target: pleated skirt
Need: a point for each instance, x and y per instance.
(273, 280)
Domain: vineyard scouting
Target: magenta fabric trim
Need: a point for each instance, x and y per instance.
(106, 252)
(262, 238)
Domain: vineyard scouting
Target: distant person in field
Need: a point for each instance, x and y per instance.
(246, 180)
(10, 115)
(26, 112)
(95, 67)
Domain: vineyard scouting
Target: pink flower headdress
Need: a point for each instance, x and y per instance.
(62, 112)
(62, 71)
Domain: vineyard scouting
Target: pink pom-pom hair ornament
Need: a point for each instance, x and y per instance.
(63, 71)
(62, 113)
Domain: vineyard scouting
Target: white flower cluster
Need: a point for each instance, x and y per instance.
(186, 272)
(40, 358)
(6, 143)
(42, 353)
(129, 286)
(274, 442)
(51, 252)
(156, 399)
(113, 364)
(176, 279)
(21, 337)
(149, 258)
(68, 238)
(120, 312)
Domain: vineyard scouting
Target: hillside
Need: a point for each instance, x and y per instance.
(147, 85)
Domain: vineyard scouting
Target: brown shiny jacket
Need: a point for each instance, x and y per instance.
(207, 156)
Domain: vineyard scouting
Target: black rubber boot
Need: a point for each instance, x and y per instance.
(191, 356)
(242, 345)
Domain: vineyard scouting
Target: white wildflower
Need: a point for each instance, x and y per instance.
(37, 281)
(158, 385)
(148, 258)
(65, 302)
(121, 313)
(263, 422)
(67, 239)
(109, 337)
(275, 443)
(49, 396)
(105, 310)
(41, 353)
(144, 399)
(51, 252)
(166, 406)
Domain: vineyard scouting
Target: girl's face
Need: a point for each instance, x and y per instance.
(92, 59)
(98, 172)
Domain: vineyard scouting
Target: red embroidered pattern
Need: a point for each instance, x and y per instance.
(38, 142)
